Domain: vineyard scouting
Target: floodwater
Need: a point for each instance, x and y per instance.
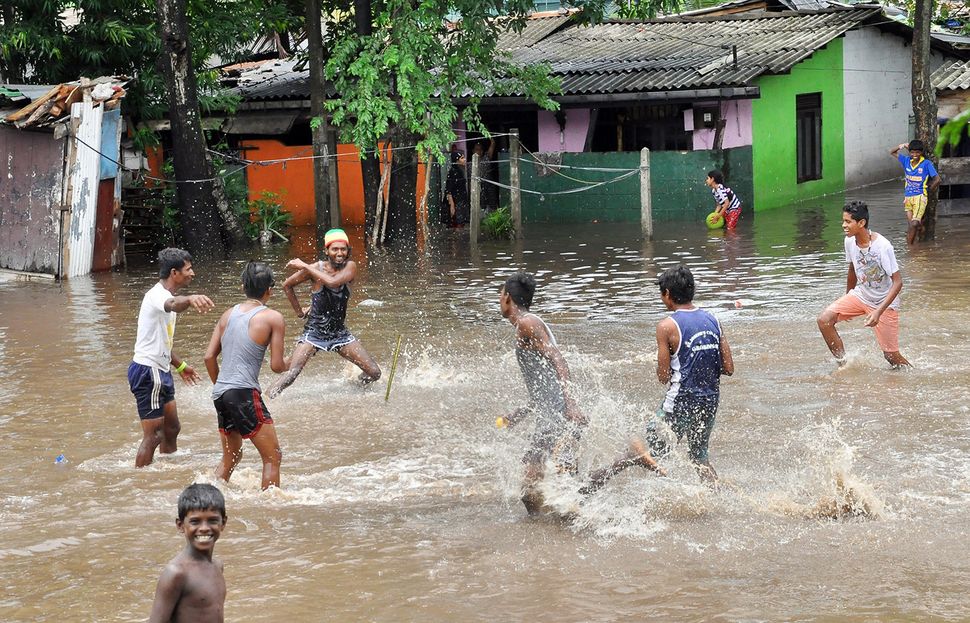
(407, 510)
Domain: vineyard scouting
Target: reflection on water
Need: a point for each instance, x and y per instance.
(408, 509)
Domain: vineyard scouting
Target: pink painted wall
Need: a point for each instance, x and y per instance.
(574, 137)
(737, 127)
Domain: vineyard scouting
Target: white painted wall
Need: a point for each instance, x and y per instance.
(878, 103)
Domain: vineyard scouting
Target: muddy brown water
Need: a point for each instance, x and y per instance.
(407, 510)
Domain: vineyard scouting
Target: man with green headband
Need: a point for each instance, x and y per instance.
(329, 296)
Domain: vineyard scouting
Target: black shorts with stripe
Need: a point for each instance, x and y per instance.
(242, 411)
(153, 388)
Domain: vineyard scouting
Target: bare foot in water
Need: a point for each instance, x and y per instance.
(364, 379)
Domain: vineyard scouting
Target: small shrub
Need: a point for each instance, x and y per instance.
(267, 215)
(498, 225)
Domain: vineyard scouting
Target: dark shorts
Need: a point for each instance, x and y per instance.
(693, 417)
(554, 437)
(241, 411)
(152, 389)
(328, 343)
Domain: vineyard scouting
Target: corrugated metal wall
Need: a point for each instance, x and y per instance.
(31, 180)
(83, 192)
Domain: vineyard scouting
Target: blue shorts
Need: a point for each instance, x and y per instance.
(329, 343)
(152, 389)
(693, 417)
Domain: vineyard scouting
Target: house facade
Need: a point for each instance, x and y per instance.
(791, 105)
(60, 203)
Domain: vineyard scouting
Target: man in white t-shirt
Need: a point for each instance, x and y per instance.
(149, 375)
(872, 287)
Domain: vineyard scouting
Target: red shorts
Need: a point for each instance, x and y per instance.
(887, 331)
(731, 218)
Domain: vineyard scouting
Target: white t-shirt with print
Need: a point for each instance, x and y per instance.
(874, 269)
(156, 330)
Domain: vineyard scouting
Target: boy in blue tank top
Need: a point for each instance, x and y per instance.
(692, 354)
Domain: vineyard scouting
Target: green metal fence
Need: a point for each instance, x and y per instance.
(677, 180)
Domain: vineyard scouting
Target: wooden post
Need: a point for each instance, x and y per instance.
(475, 220)
(515, 181)
(646, 210)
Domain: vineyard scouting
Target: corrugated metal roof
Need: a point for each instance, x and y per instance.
(282, 79)
(536, 29)
(619, 57)
(685, 53)
(954, 76)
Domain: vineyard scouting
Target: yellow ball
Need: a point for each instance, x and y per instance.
(500, 422)
(714, 220)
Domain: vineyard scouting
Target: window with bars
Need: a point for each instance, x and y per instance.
(808, 136)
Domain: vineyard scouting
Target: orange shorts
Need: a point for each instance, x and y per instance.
(887, 331)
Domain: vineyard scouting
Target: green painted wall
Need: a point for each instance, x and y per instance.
(773, 130)
(677, 178)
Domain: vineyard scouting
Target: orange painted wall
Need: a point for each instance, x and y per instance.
(293, 180)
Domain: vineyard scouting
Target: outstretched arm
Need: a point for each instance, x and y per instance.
(894, 152)
(200, 302)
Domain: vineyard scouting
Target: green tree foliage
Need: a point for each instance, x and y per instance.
(406, 75)
(52, 41)
(953, 131)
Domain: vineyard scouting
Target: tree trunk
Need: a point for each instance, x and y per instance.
(402, 222)
(370, 170)
(197, 208)
(230, 221)
(370, 164)
(924, 101)
(318, 112)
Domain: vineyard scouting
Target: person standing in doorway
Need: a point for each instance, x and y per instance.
(242, 335)
(324, 328)
(872, 288)
(457, 205)
(149, 374)
(921, 177)
(558, 419)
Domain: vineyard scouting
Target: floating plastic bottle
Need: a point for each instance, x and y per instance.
(60, 459)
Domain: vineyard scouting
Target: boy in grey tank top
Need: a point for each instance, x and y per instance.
(242, 335)
(546, 375)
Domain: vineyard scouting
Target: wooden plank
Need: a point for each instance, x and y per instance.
(27, 110)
